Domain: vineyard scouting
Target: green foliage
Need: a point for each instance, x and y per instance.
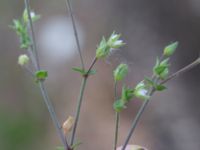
(41, 75)
(127, 94)
(84, 72)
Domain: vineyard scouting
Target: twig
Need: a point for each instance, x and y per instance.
(41, 85)
(144, 105)
(68, 4)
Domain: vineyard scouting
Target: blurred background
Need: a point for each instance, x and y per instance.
(171, 120)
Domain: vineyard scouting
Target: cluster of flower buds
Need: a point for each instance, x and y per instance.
(106, 46)
(20, 26)
(143, 88)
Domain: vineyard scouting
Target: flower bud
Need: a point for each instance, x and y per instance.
(68, 124)
(102, 50)
(114, 41)
(170, 49)
(120, 72)
(119, 105)
(34, 17)
(23, 60)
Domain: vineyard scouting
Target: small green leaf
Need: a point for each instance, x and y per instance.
(149, 81)
(160, 87)
(41, 75)
(91, 72)
(119, 105)
(127, 94)
(81, 71)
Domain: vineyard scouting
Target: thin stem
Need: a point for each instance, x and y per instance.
(183, 70)
(91, 65)
(144, 105)
(68, 4)
(33, 40)
(80, 99)
(136, 120)
(35, 60)
(117, 118)
(53, 115)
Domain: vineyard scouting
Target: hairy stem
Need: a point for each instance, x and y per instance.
(75, 32)
(117, 117)
(35, 60)
(80, 99)
(144, 105)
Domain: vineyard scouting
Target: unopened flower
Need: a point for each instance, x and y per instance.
(67, 125)
(23, 60)
(120, 72)
(33, 15)
(170, 49)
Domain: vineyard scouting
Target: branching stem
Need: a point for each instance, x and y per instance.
(68, 4)
(35, 60)
(145, 103)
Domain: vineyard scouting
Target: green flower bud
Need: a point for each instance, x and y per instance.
(120, 72)
(161, 68)
(102, 50)
(114, 41)
(119, 105)
(170, 49)
(34, 17)
(23, 60)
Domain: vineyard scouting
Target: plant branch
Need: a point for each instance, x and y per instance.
(53, 115)
(68, 4)
(80, 99)
(43, 90)
(145, 103)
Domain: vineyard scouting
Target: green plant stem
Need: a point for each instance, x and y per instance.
(145, 103)
(35, 60)
(33, 40)
(80, 99)
(91, 65)
(53, 114)
(68, 4)
(117, 118)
